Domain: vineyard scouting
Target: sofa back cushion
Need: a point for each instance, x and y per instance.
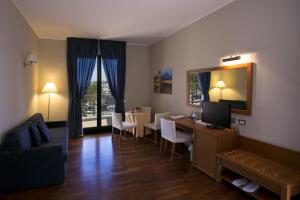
(20, 137)
(36, 139)
(17, 139)
(44, 131)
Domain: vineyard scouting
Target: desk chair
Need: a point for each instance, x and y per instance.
(121, 125)
(155, 125)
(169, 133)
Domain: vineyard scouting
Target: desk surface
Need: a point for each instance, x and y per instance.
(190, 124)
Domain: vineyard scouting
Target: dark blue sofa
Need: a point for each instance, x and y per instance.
(24, 165)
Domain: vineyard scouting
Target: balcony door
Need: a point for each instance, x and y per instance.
(98, 103)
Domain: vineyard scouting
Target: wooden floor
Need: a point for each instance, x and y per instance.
(98, 168)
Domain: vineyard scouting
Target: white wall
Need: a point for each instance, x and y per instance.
(137, 76)
(18, 84)
(264, 32)
(53, 67)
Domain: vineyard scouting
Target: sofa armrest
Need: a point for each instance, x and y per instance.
(39, 166)
(60, 136)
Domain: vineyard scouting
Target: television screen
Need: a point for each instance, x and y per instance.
(216, 114)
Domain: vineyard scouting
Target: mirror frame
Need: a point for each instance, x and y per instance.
(249, 68)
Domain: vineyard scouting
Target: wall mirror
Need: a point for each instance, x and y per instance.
(229, 84)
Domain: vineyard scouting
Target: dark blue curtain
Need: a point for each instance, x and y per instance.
(204, 84)
(81, 60)
(113, 54)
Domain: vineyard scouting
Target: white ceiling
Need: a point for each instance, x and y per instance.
(135, 21)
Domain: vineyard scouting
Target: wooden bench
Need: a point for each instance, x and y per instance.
(263, 164)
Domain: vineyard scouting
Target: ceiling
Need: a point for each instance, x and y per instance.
(135, 21)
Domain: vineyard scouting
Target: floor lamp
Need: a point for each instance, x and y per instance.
(49, 88)
(220, 85)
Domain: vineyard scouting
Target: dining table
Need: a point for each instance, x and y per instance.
(138, 118)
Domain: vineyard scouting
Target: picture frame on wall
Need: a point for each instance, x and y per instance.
(162, 82)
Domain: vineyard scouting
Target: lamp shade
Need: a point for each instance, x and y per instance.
(220, 84)
(30, 59)
(49, 87)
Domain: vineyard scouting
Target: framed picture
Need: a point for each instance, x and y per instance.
(163, 81)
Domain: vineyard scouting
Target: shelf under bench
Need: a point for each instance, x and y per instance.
(261, 193)
(271, 176)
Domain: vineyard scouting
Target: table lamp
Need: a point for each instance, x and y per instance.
(49, 88)
(220, 85)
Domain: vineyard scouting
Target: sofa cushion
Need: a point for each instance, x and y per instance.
(45, 133)
(35, 119)
(17, 139)
(35, 135)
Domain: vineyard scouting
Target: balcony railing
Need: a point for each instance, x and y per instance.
(89, 110)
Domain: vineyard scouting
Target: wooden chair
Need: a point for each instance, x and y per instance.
(118, 123)
(155, 126)
(169, 133)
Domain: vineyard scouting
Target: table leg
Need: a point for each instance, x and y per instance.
(120, 137)
(285, 193)
(135, 139)
(166, 145)
(173, 151)
(219, 170)
(155, 135)
(161, 145)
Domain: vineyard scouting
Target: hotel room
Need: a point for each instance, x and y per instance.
(141, 99)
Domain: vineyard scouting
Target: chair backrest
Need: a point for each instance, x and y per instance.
(117, 120)
(168, 129)
(158, 116)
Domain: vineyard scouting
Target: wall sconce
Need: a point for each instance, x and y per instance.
(30, 60)
(220, 85)
(231, 58)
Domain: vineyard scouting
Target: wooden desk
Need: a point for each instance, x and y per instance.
(207, 143)
(184, 122)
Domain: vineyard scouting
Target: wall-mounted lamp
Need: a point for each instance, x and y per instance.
(231, 58)
(220, 85)
(30, 60)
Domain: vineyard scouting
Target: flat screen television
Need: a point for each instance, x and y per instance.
(217, 115)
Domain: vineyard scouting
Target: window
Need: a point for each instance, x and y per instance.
(107, 100)
(195, 94)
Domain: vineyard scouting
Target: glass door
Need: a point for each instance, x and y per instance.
(98, 103)
(107, 100)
